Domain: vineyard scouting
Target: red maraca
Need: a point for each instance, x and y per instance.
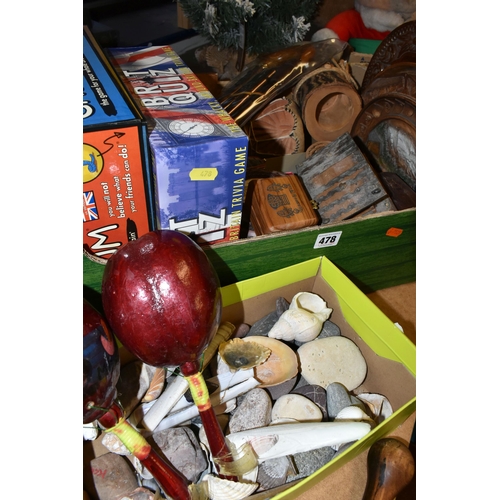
(101, 370)
(161, 296)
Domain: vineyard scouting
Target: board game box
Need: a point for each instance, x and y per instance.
(198, 153)
(118, 202)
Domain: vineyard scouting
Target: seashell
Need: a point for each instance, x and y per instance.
(354, 414)
(223, 489)
(379, 405)
(238, 354)
(273, 473)
(280, 366)
(290, 439)
(303, 320)
(90, 431)
(155, 386)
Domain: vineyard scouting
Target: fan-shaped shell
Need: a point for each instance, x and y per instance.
(280, 366)
(223, 489)
(238, 354)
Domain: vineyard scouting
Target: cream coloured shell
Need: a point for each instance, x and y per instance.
(304, 319)
(280, 366)
(224, 489)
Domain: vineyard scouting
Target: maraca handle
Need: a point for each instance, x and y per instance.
(390, 469)
(170, 479)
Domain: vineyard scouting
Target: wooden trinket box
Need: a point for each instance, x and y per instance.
(280, 204)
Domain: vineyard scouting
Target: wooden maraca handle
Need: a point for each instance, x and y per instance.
(390, 469)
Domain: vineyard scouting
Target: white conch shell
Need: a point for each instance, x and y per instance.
(224, 489)
(303, 320)
(288, 439)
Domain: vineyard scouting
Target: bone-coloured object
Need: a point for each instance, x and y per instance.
(215, 399)
(178, 387)
(287, 439)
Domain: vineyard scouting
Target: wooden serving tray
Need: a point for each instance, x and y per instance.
(280, 204)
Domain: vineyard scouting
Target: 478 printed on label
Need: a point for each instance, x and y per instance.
(327, 239)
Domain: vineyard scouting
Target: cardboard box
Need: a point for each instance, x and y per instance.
(390, 355)
(117, 200)
(199, 154)
(376, 251)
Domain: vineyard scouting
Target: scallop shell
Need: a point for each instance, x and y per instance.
(223, 489)
(280, 366)
(273, 473)
(239, 355)
(304, 319)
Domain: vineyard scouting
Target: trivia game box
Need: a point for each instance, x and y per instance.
(198, 153)
(118, 202)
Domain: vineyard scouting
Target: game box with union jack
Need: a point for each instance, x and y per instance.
(198, 152)
(118, 202)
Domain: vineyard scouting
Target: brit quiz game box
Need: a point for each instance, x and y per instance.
(118, 201)
(198, 153)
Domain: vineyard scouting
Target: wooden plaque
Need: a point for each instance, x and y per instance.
(280, 204)
(342, 182)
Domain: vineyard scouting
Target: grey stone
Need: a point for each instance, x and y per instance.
(282, 305)
(254, 411)
(308, 462)
(337, 398)
(182, 449)
(276, 391)
(139, 494)
(241, 331)
(113, 476)
(316, 394)
(262, 326)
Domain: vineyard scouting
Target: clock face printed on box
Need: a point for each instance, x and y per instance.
(191, 127)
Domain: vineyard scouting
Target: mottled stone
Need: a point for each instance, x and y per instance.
(180, 446)
(308, 462)
(262, 326)
(241, 331)
(139, 494)
(114, 444)
(296, 407)
(253, 411)
(316, 394)
(276, 391)
(337, 398)
(113, 476)
(332, 359)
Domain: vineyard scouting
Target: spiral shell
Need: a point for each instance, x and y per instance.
(303, 321)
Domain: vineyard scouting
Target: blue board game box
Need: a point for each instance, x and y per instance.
(199, 154)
